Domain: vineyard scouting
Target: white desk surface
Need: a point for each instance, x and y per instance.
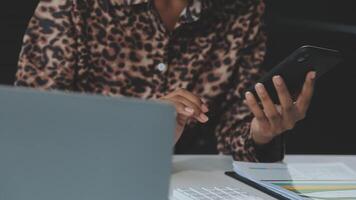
(208, 170)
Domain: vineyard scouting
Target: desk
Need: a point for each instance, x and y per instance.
(208, 170)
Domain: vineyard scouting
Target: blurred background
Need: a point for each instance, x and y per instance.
(330, 126)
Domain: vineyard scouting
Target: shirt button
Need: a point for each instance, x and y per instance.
(162, 67)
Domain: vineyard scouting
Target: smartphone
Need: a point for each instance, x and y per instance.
(295, 67)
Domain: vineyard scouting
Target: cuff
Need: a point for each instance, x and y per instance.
(271, 152)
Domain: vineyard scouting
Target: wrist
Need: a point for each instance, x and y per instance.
(261, 139)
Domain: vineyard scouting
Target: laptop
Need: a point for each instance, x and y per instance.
(66, 146)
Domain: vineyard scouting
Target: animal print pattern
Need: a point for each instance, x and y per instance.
(121, 48)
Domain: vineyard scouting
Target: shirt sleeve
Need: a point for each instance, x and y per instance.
(233, 130)
(48, 56)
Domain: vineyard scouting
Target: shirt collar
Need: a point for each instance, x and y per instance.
(190, 14)
(134, 2)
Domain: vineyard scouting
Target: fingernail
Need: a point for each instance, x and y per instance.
(278, 80)
(259, 87)
(189, 110)
(202, 100)
(312, 75)
(204, 118)
(248, 95)
(204, 108)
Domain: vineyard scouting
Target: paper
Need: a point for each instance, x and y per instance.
(307, 180)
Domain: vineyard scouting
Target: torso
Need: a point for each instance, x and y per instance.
(126, 50)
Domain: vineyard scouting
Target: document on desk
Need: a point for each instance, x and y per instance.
(302, 180)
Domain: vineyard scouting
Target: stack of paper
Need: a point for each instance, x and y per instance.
(302, 180)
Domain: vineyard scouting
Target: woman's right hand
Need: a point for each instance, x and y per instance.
(188, 106)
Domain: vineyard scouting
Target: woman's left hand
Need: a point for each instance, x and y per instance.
(274, 120)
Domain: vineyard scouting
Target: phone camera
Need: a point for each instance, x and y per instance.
(303, 58)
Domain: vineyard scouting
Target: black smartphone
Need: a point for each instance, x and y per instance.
(295, 67)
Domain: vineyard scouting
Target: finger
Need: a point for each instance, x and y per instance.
(188, 109)
(197, 109)
(287, 105)
(192, 107)
(306, 95)
(181, 108)
(254, 107)
(269, 108)
(193, 98)
(283, 94)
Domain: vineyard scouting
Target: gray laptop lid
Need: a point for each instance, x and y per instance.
(56, 146)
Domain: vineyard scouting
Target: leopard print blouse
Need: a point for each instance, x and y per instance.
(122, 48)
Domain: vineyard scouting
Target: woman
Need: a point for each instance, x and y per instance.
(199, 55)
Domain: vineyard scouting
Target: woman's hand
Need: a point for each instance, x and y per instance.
(188, 106)
(273, 120)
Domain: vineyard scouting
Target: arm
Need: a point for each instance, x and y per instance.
(48, 56)
(233, 131)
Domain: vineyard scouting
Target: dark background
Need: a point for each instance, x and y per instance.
(330, 126)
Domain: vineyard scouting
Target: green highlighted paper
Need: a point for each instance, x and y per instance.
(327, 181)
(325, 189)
